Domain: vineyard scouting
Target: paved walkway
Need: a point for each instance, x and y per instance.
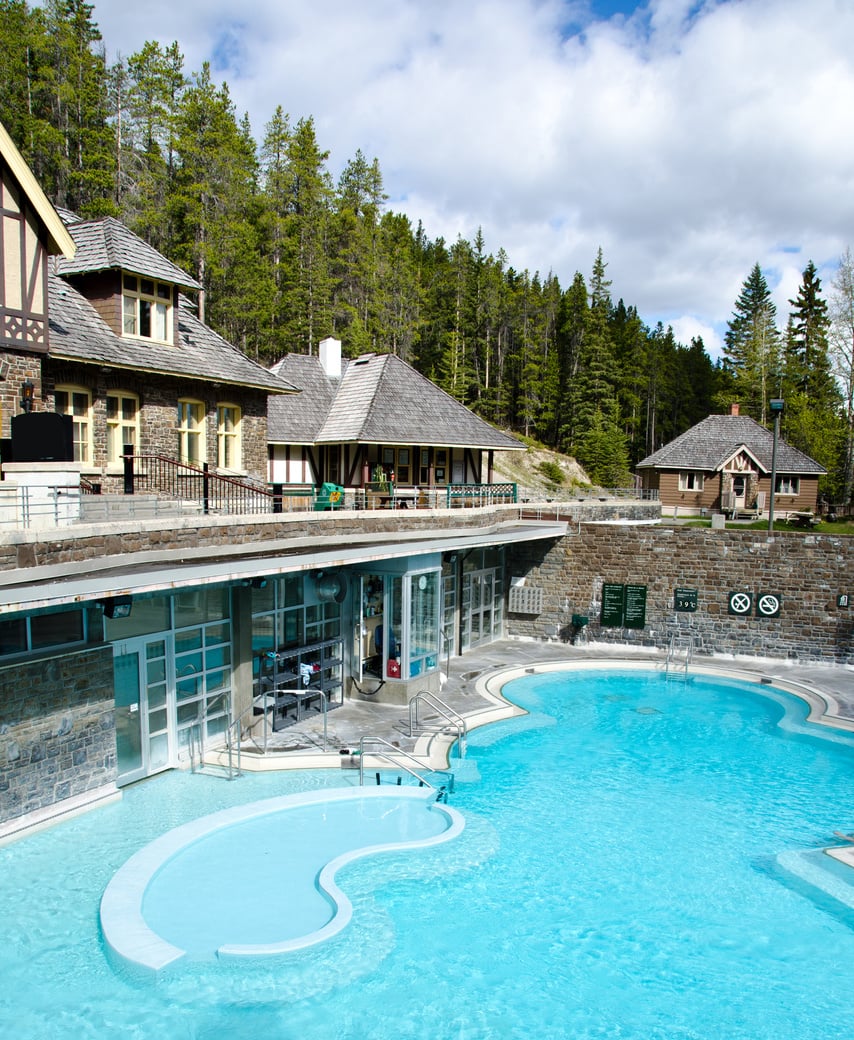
(829, 690)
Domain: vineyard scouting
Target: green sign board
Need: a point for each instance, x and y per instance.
(635, 611)
(685, 600)
(613, 597)
(623, 606)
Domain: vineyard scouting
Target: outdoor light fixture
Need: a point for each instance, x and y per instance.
(28, 391)
(117, 607)
(776, 407)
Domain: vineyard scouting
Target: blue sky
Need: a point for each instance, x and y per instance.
(688, 138)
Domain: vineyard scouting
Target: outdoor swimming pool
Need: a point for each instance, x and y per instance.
(617, 877)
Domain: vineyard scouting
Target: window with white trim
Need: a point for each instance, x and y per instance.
(146, 308)
(191, 431)
(122, 424)
(76, 401)
(690, 481)
(228, 437)
(788, 485)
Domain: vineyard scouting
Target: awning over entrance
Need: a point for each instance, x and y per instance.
(150, 573)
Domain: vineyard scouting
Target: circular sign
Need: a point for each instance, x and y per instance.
(740, 602)
(768, 604)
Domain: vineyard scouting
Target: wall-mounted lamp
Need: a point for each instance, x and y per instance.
(28, 391)
(117, 607)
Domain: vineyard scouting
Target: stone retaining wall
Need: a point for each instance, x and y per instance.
(808, 572)
(57, 732)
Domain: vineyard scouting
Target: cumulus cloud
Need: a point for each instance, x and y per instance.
(688, 138)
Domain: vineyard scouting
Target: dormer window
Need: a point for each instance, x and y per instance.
(146, 308)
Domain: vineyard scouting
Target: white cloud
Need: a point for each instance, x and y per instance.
(689, 140)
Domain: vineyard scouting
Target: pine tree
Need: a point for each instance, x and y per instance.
(752, 347)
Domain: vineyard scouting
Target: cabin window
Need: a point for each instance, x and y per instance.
(689, 481)
(146, 308)
(228, 437)
(122, 425)
(191, 431)
(788, 486)
(77, 402)
(441, 466)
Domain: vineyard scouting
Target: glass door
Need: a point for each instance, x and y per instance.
(477, 608)
(145, 738)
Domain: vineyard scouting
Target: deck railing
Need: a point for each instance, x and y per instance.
(186, 482)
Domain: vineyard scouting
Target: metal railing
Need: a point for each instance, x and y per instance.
(393, 758)
(680, 653)
(451, 716)
(214, 492)
(196, 739)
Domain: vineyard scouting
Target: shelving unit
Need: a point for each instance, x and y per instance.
(293, 680)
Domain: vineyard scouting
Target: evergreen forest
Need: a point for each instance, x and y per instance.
(287, 255)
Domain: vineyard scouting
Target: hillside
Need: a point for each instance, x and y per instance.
(525, 468)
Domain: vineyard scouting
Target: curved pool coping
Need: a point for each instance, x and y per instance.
(822, 708)
(129, 937)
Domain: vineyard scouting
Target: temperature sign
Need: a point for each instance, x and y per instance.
(685, 600)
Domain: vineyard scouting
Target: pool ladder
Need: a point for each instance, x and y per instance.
(680, 653)
(398, 760)
(454, 720)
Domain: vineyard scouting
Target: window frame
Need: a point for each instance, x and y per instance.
(83, 425)
(229, 440)
(115, 450)
(143, 309)
(185, 431)
(791, 487)
(689, 477)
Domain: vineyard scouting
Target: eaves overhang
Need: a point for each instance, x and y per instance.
(25, 590)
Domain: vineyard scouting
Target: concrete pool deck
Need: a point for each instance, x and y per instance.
(473, 690)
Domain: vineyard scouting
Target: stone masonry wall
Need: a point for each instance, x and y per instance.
(808, 572)
(57, 731)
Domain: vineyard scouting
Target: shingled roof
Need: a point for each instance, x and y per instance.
(710, 444)
(78, 333)
(106, 244)
(379, 399)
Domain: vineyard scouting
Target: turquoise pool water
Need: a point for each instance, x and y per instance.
(617, 878)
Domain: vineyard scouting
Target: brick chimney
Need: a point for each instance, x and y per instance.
(733, 409)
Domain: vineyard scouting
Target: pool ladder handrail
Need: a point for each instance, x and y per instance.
(679, 644)
(195, 739)
(393, 759)
(451, 715)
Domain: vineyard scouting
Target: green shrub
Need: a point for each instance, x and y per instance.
(551, 471)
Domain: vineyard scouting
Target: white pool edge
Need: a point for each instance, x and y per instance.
(135, 944)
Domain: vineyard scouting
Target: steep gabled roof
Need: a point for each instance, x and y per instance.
(106, 244)
(301, 420)
(379, 399)
(58, 238)
(710, 444)
(78, 333)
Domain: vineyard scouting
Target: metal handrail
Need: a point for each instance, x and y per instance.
(687, 646)
(199, 726)
(186, 480)
(445, 710)
(393, 761)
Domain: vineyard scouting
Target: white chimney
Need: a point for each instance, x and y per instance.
(329, 350)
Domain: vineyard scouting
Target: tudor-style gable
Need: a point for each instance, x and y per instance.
(30, 232)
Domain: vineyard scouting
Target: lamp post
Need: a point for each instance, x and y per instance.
(776, 406)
